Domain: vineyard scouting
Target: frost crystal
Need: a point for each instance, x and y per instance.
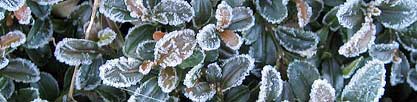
(145, 50)
(168, 79)
(12, 5)
(367, 84)
(40, 34)
(192, 76)
(301, 76)
(175, 47)
(136, 8)
(47, 2)
(207, 38)
(298, 41)
(274, 11)
(412, 79)
(399, 70)
(304, 12)
(106, 37)
(224, 15)
(235, 70)
(173, 12)
(120, 72)
(202, 92)
(360, 41)
(76, 51)
(405, 14)
(21, 70)
(23, 15)
(12, 39)
(231, 39)
(322, 91)
(271, 85)
(383, 52)
(115, 10)
(2, 12)
(350, 13)
(87, 77)
(149, 91)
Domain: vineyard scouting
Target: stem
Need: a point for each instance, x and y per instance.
(93, 17)
(71, 90)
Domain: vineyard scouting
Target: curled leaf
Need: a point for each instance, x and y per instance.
(271, 85)
(322, 91)
(224, 15)
(76, 51)
(146, 67)
(168, 79)
(231, 39)
(173, 12)
(207, 38)
(120, 72)
(137, 35)
(106, 37)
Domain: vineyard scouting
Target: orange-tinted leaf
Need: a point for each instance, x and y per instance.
(231, 39)
(304, 12)
(158, 35)
(23, 15)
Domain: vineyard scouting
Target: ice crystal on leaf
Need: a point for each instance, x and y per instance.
(173, 12)
(2, 14)
(40, 34)
(12, 5)
(47, 2)
(115, 10)
(274, 11)
(21, 70)
(224, 15)
(360, 41)
(168, 79)
(87, 77)
(23, 14)
(235, 70)
(3, 61)
(242, 19)
(271, 85)
(201, 92)
(208, 38)
(76, 51)
(192, 76)
(231, 39)
(399, 70)
(298, 41)
(301, 75)
(322, 91)
(398, 15)
(175, 47)
(383, 52)
(304, 12)
(149, 91)
(120, 72)
(412, 79)
(136, 8)
(350, 13)
(145, 50)
(213, 72)
(367, 85)
(106, 37)
(12, 39)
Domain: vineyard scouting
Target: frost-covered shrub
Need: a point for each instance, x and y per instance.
(208, 50)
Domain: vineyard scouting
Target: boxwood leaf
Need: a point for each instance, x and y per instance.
(21, 70)
(407, 38)
(12, 5)
(412, 79)
(173, 12)
(115, 10)
(298, 41)
(208, 38)
(383, 52)
(301, 76)
(350, 14)
(332, 73)
(175, 47)
(149, 91)
(398, 15)
(274, 11)
(168, 79)
(48, 86)
(120, 72)
(196, 58)
(367, 84)
(235, 70)
(231, 39)
(399, 70)
(201, 92)
(40, 11)
(47, 2)
(242, 19)
(322, 91)
(40, 34)
(76, 51)
(192, 76)
(87, 77)
(145, 50)
(224, 15)
(271, 85)
(135, 36)
(213, 73)
(203, 12)
(12, 39)
(317, 7)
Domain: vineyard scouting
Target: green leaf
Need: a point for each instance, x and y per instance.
(106, 37)
(192, 76)
(12, 39)
(350, 69)
(383, 52)
(39, 55)
(408, 38)
(21, 70)
(135, 36)
(203, 12)
(271, 85)
(121, 72)
(367, 84)
(399, 70)
(298, 41)
(2, 14)
(196, 58)
(149, 91)
(264, 50)
(234, 3)
(48, 86)
(322, 91)
(7, 87)
(350, 14)
(242, 19)
(40, 11)
(40, 34)
(330, 19)
(316, 7)
(173, 12)
(168, 79)
(12, 5)
(110, 94)
(87, 77)
(25, 95)
(145, 50)
(116, 10)
(274, 11)
(332, 73)
(238, 94)
(208, 38)
(76, 51)
(201, 92)
(2, 98)
(301, 76)
(398, 15)
(213, 73)
(333, 2)
(235, 70)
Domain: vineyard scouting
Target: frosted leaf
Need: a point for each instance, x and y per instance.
(21, 70)
(168, 79)
(304, 12)
(136, 8)
(26, 94)
(48, 86)
(201, 92)
(274, 11)
(242, 19)
(360, 41)
(76, 51)
(412, 79)
(331, 20)
(146, 67)
(137, 35)
(350, 69)
(399, 70)
(149, 91)
(207, 38)
(224, 15)
(120, 72)
(231, 39)
(407, 38)
(322, 91)
(106, 37)
(3, 60)
(383, 52)
(40, 34)
(173, 12)
(87, 77)
(23, 15)
(301, 76)
(175, 47)
(317, 7)
(350, 13)
(398, 15)
(116, 10)
(12, 39)
(298, 41)
(235, 70)
(2, 14)
(12, 5)
(203, 12)
(196, 58)
(8, 87)
(38, 100)
(192, 76)
(47, 2)
(367, 84)
(271, 85)
(213, 73)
